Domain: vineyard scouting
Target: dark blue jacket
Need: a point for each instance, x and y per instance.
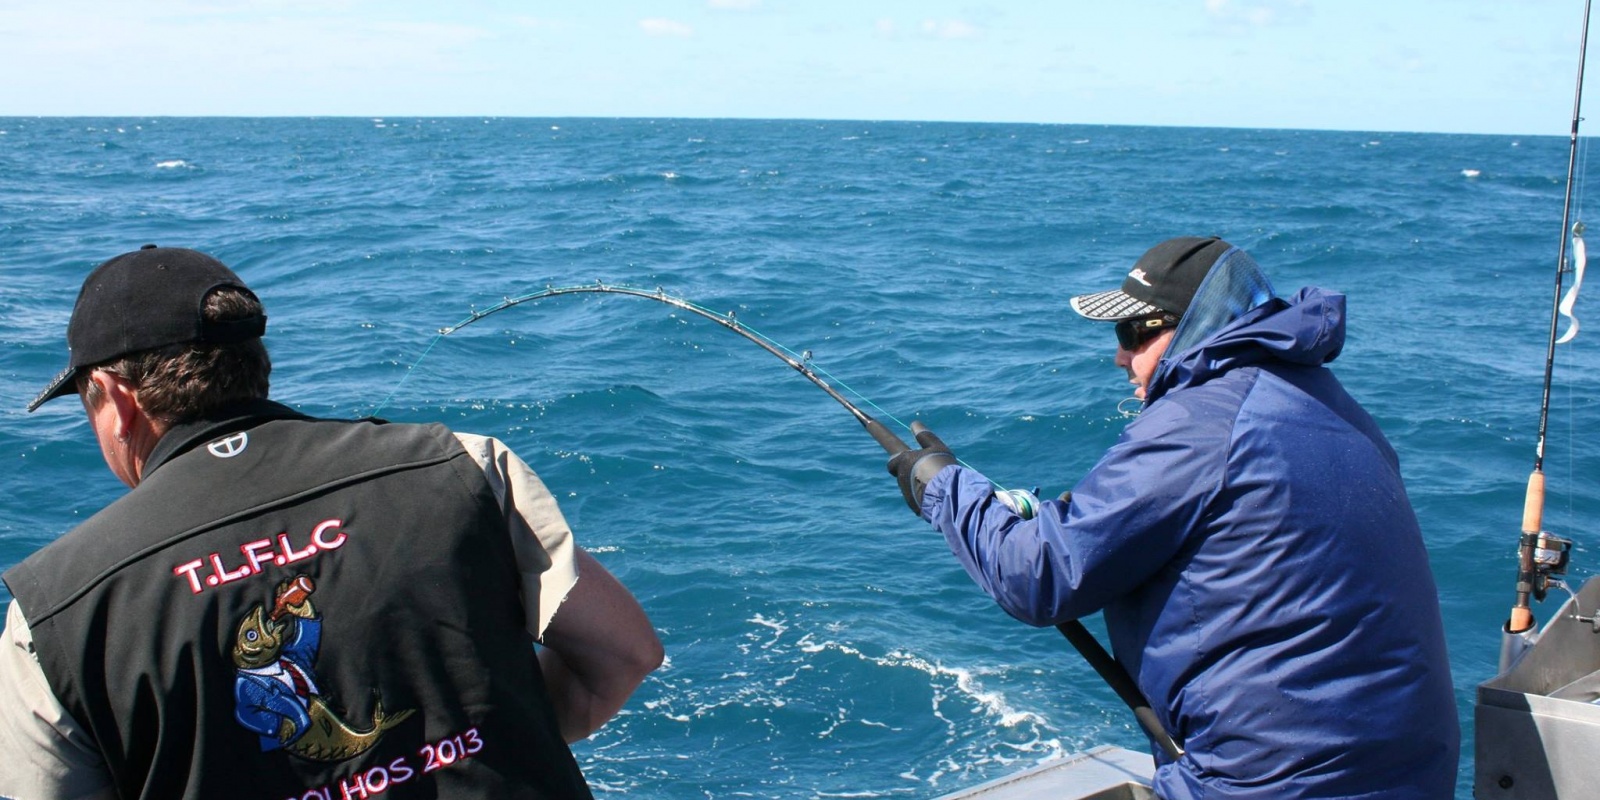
(1260, 568)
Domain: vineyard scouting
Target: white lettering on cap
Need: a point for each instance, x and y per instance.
(1138, 275)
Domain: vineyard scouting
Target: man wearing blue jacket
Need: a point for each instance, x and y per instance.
(1248, 538)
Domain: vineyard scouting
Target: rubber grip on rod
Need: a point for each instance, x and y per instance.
(885, 437)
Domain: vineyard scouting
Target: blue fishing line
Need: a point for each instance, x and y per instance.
(805, 358)
(801, 362)
(728, 320)
(407, 376)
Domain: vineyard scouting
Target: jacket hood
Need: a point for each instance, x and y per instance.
(1307, 329)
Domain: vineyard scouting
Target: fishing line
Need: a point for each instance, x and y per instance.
(405, 377)
(1582, 180)
(801, 362)
(1567, 305)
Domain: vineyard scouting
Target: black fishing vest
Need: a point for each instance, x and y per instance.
(298, 609)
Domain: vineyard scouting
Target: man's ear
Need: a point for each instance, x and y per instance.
(124, 400)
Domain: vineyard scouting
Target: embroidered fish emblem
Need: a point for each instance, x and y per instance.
(276, 692)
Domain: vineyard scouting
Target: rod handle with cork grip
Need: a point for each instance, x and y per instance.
(1532, 523)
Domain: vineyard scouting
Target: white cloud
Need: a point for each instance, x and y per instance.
(1257, 13)
(1401, 59)
(249, 63)
(887, 28)
(655, 26)
(446, 35)
(951, 29)
(540, 23)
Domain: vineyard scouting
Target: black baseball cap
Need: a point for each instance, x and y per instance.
(1164, 279)
(149, 298)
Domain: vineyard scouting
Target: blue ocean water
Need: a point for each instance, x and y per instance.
(821, 641)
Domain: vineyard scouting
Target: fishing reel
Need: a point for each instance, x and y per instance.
(1022, 501)
(1550, 556)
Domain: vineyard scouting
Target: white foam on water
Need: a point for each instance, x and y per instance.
(778, 629)
(993, 703)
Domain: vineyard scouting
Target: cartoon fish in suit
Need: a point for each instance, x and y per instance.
(275, 689)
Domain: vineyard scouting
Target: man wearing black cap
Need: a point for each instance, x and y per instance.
(291, 607)
(1248, 537)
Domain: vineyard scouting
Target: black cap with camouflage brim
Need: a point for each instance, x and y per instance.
(1163, 280)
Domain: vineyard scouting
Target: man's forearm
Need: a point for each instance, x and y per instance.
(581, 709)
(598, 649)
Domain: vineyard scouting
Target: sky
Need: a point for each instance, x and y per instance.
(1457, 66)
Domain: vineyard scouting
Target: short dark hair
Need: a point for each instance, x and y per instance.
(181, 382)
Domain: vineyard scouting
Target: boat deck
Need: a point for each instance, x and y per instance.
(1104, 773)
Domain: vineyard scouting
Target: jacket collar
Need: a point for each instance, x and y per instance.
(1307, 329)
(184, 436)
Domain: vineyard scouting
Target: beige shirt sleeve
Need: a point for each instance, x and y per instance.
(47, 755)
(545, 553)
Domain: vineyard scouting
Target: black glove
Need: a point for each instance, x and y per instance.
(916, 468)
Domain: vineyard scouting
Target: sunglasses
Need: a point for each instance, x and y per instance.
(1133, 333)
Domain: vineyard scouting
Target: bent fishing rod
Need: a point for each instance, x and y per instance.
(1104, 664)
(1539, 554)
(884, 437)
